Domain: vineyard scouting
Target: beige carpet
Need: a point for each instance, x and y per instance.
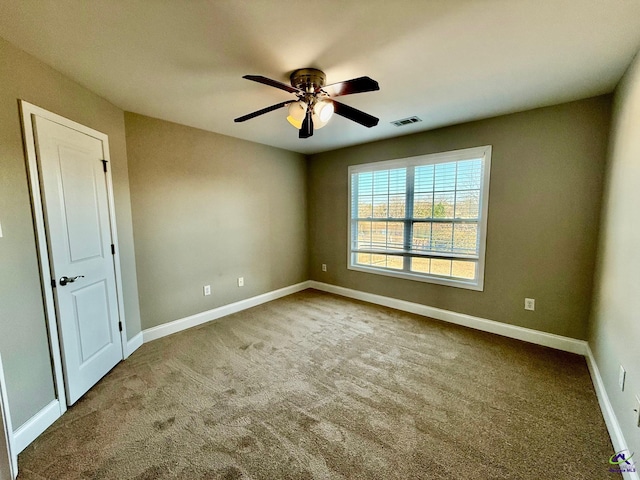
(315, 386)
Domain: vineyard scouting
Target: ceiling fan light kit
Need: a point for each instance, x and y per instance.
(323, 111)
(297, 112)
(315, 105)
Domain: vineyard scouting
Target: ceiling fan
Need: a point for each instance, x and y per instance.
(314, 105)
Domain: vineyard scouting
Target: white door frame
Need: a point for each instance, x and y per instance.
(27, 110)
(8, 458)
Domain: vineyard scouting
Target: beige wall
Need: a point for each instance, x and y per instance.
(546, 184)
(208, 209)
(615, 327)
(23, 338)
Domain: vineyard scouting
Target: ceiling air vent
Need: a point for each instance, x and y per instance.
(406, 121)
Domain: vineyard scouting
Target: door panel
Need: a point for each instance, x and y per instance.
(76, 208)
(92, 317)
(81, 208)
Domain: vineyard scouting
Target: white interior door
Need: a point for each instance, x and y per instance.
(76, 210)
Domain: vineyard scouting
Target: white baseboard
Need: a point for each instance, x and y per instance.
(520, 333)
(37, 424)
(198, 319)
(610, 419)
(42, 420)
(133, 344)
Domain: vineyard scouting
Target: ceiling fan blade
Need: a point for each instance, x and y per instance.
(354, 114)
(249, 116)
(272, 83)
(349, 87)
(306, 130)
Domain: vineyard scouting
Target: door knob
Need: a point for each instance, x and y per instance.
(65, 280)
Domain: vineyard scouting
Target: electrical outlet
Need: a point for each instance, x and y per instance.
(637, 411)
(241, 281)
(529, 304)
(324, 267)
(621, 376)
(206, 290)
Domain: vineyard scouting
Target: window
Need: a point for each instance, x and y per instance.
(422, 218)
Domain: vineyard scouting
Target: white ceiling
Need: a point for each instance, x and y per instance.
(446, 61)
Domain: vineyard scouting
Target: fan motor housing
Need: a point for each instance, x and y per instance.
(308, 79)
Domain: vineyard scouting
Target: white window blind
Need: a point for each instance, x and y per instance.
(422, 218)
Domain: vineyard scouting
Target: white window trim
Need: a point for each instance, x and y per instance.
(434, 158)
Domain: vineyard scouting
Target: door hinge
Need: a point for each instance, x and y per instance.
(120, 326)
(113, 249)
(53, 283)
(104, 165)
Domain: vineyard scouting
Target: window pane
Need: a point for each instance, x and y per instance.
(434, 266)
(365, 207)
(395, 235)
(461, 269)
(381, 182)
(379, 260)
(422, 205)
(386, 261)
(465, 238)
(395, 262)
(381, 206)
(467, 204)
(445, 177)
(364, 235)
(421, 236)
(365, 183)
(424, 178)
(386, 191)
(397, 206)
(421, 265)
(441, 267)
(443, 204)
(398, 181)
(363, 258)
(378, 235)
(442, 237)
(469, 175)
